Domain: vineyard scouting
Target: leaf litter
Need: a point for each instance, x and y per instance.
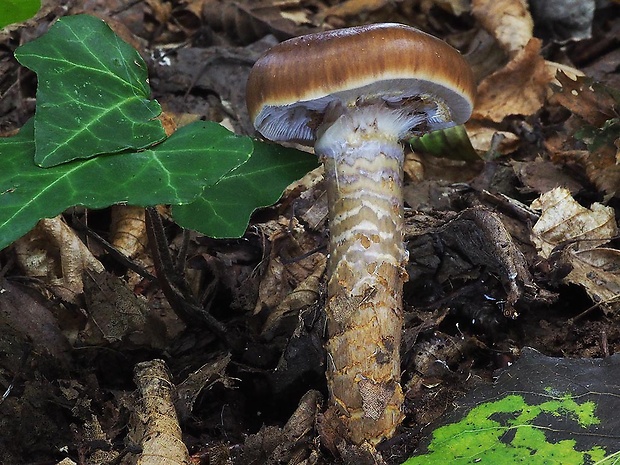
(472, 305)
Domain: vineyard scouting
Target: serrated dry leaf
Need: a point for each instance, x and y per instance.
(519, 88)
(584, 97)
(564, 222)
(508, 21)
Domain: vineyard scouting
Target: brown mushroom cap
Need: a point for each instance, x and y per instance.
(292, 84)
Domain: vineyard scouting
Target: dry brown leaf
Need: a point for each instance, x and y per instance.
(288, 265)
(571, 72)
(519, 88)
(598, 270)
(204, 377)
(484, 138)
(304, 295)
(354, 8)
(26, 320)
(53, 253)
(116, 314)
(601, 167)
(160, 10)
(542, 176)
(593, 106)
(508, 21)
(281, 279)
(247, 21)
(564, 222)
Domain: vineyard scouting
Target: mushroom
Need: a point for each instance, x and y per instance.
(355, 93)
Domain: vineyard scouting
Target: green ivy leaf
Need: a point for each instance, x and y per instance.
(175, 171)
(541, 411)
(224, 208)
(16, 11)
(92, 95)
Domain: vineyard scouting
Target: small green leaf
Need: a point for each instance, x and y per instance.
(16, 11)
(595, 138)
(175, 171)
(452, 143)
(92, 95)
(224, 209)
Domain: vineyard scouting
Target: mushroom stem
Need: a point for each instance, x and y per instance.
(363, 173)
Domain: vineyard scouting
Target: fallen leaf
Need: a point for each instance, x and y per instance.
(508, 21)
(580, 231)
(128, 230)
(519, 88)
(563, 219)
(53, 253)
(26, 320)
(291, 261)
(115, 314)
(594, 122)
(584, 97)
(542, 176)
(598, 270)
(354, 8)
(245, 22)
(304, 295)
(484, 139)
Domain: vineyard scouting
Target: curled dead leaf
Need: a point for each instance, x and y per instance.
(128, 230)
(598, 270)
(54, 253)
(564, 222)
(155, 425)
(484, 139)
(508, 21)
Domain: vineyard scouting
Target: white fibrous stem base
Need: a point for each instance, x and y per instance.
(364, 175)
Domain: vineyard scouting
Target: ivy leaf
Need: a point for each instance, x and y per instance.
(16, 11)
(92, 95)
(541, 410)
(175, 171)
(224, 208)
